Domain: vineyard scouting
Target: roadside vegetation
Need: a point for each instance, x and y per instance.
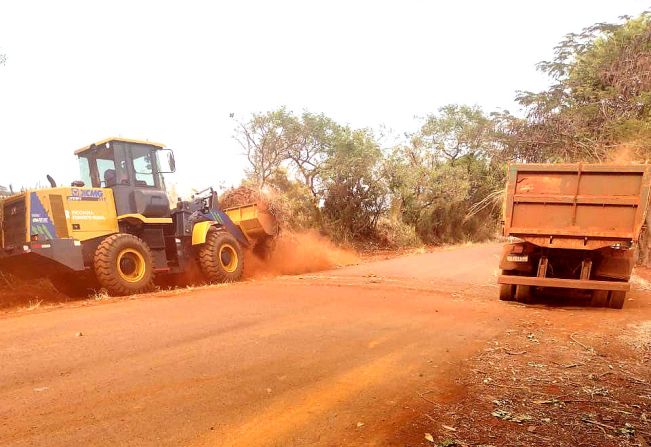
(443, 183)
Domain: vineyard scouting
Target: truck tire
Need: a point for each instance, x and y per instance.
(599, 298)
(220, 258)
(123, 265)
(507, 292)
(617, 299)
(522, 293)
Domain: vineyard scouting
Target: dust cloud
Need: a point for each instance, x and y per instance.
(297, 253)
(624, 153)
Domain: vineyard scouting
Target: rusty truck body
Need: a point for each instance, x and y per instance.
(572, 226)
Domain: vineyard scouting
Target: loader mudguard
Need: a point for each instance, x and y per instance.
(200, 229)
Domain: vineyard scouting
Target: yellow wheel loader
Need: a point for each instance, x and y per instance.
(115, 226)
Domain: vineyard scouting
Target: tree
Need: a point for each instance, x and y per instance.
(600, 98)
(355, 194)
(267, 139)
(456, 130)
(443, 172)
(316, 136)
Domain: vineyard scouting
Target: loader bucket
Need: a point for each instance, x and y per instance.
(256, 222)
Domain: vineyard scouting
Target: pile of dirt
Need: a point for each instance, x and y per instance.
(15, 292)
(296, 253)
(243, 195)
(266, 199)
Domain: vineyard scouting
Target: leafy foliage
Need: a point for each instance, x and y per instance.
(600, 98)
(355, 195)
(444, 183)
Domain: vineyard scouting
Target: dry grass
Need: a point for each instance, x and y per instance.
(33, 305)
(100, 295)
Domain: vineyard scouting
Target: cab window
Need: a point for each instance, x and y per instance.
(104, 167)
(143, 166)
(84, 171)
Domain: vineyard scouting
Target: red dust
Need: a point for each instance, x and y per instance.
(297, 253)
(625, 153)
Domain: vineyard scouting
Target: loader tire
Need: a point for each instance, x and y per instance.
(221, 258)
(123, 265)
(616, 300)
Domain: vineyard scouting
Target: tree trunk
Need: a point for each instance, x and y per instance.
(644, 246)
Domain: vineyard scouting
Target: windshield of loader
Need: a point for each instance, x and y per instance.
(104, 167)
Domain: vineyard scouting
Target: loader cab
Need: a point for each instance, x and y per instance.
(133, 170)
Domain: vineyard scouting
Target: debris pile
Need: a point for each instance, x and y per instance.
(540, 388)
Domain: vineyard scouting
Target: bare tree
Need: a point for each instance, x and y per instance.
(315, 138)
(267, 140)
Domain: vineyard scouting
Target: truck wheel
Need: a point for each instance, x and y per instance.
(221, 257)
(123, 265)
(507, 292)
(617, 299)
(599, 298)
(522, 293)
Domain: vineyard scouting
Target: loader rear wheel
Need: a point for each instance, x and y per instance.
(507, 292)
(617, 299)
(221, 258)
(123, 265)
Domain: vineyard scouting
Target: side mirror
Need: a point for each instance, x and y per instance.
(166, 165)
(171, 161)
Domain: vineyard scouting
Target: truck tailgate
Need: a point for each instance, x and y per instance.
(576, 201)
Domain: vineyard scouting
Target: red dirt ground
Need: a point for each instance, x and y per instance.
(381, 353)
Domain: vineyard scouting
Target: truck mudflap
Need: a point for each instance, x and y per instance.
(36, 259)
(587, 284)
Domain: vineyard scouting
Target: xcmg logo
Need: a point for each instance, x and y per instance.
(86, 194)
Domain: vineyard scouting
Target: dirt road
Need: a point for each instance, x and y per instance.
(354, 356)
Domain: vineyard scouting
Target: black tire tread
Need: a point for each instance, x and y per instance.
(506, 292)
(616, 299)
(523, 293)
(107, 276)
(209, 258)
(599, 298)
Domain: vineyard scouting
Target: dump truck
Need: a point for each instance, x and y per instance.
(572, 227)
(116, 226)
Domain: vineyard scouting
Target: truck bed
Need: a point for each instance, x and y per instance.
(576, 205)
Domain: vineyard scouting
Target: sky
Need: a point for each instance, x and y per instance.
(173, 72)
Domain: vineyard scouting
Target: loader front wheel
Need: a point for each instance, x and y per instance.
(221, 257)
(123, 265)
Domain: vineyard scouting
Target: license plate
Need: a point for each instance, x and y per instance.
(516, 258)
